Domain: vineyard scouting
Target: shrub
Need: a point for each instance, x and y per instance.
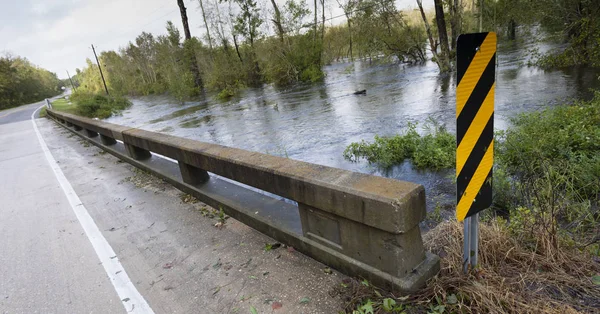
(97, 105)
(548, 174)
(436, 150)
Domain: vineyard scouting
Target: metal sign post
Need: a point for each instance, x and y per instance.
(476, 76)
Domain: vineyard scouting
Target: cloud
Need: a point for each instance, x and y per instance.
(57, 34)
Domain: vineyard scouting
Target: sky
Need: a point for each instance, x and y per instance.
(57, 34)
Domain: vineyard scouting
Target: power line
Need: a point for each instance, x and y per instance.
(342, 15)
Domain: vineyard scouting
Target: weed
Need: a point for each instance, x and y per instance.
(187, 198)
(221, 217)
(98, 105)
(436, 215)
(512, 277)
(269, 246)
(547, 176)
(435, 150)
(304, 300)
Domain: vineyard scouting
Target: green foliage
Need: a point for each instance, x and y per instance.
(296, 59)
(565, 137)
(548, 173)
(377, 27)
(577, 21)
(436, 150)
(379, 304)
(268, 247)
(366, 308)
(388, 304)
(147, 66)
(22, 82)
(381, 28)
(64, 105)
(304, 300)
(97, 105)
(596, 280)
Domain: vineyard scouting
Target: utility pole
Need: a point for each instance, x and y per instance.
(100, 68)
(72, 85)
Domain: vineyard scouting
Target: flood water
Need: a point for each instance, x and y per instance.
(315, 122)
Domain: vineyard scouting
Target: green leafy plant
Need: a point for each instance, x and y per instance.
(389, 304)
(435, 150)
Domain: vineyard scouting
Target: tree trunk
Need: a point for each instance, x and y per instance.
(455, 22)
(316, 24)
(350, 35)
(206, 25)
(188, 48)
(480, 16)
(184, 19)
(443, 36)
(428, 29)
(512, 29)
(277, 21)
(237, 48)
(323, 22)
(322, 32)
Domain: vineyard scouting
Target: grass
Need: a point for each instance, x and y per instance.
(434, 150)
(61, 104)
(511, 278)
(98, 105)
(89, 105)
(544, 255)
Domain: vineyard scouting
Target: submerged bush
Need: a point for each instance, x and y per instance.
(547, 176)
(565, 138)
(436, 150)
(97, 105)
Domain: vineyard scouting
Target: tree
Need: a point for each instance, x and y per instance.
(348, 9)
(247, 24)
(190, 54)
(578, 22)
(381, 28)
(210, 45)
(432, 43)
(277, 21)
(444, 55)
(455, 20)
(22, 82)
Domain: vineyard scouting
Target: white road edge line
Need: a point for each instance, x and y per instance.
(132, 300)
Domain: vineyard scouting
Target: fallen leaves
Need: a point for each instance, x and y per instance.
(304, 300)
(276, 305)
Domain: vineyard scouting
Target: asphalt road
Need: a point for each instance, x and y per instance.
(48, 263)
(82, 232)
(19, 114)
(23, 113)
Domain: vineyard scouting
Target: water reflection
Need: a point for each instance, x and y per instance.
(315, 122)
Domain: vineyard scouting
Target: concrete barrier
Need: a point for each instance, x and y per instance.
(360, 224)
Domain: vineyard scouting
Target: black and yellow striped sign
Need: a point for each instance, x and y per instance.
(476, 72)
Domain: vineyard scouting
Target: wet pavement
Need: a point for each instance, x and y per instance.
(172, 251)
(48, 264)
